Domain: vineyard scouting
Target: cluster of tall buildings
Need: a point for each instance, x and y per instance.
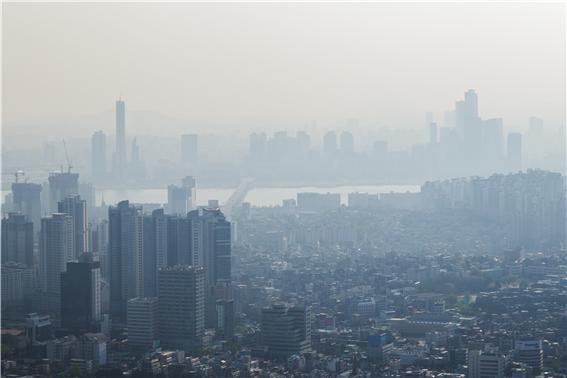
(169, 270)
(181, 265)
(530, 204)
(121, 168)
(462, 144)
(165, 275)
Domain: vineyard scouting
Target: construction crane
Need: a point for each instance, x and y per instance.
(69, 166)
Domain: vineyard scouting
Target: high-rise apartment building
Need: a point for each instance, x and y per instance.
(155, 249)
(26, 199)
(77, 208)
(17, 239)
(211, 249)
(56, 248)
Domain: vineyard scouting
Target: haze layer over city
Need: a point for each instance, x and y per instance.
(284, 189)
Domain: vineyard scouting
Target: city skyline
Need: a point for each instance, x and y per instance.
(329, 190)
(383, 81)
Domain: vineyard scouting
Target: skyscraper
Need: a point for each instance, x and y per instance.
(211, 249)
(55, 250)
(61, 185)
(26, 199)
(126, 257)
(98, 155)
(80, 296)
(189, 149)
(471, 105)
(77, 208)
(120, 157)
(514, 151)
(17, 240)
(181, 307)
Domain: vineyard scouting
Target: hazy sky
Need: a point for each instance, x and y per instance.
(284, 62)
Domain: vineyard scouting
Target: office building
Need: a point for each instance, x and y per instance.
(81, 296)
(126, 257)
(211, 249)
(120, 156)
(181, 307)
(286, 331)
(77, 208)
(17, 239)
(26, 199)
(189, 151)
(98, 155)
(56, 248)
(485, 365)
(143, 323)
(529, 352)
(62, 185)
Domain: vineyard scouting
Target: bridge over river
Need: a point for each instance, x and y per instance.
(237, 196)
